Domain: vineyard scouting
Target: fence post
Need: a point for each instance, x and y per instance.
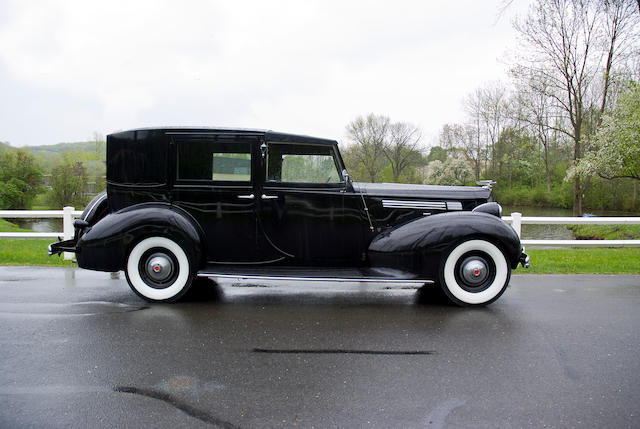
(67, 228)
(516, 223)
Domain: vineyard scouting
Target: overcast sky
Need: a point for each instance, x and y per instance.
(72, 68)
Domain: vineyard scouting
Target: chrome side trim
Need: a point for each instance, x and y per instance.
(422, 205)
(418, 205)
(316, 279)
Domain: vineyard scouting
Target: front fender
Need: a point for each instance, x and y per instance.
(105, 246)
(418, 246)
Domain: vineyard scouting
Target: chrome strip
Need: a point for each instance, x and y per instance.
(433, 205)
(95, 204)
(316, 279)
(422, 205)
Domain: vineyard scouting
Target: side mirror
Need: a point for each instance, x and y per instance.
(345, 175)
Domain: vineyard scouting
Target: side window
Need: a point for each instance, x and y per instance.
(212, 160)
(302, 163)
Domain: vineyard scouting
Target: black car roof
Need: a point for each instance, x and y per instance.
(269, 134)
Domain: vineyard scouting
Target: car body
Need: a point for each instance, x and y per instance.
(183, 203)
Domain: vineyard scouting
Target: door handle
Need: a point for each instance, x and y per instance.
(269, 197)
(246, 197)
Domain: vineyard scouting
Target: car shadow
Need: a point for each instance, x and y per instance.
(204, 290)
(432, 295)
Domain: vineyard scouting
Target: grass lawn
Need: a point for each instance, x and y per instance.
(29, 251)
(583, 261)
(607, 232)
(26, 251)
(6, 226)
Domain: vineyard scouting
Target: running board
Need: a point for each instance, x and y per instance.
(380, 275)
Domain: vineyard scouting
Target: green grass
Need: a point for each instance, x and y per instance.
(29, 251)
(606, 232)
(583, 261)
(6, 226)
(26, 251)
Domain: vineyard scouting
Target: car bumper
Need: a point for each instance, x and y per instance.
(62, 246)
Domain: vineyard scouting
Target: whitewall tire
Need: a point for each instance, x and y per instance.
(159, 270)
(475, 272)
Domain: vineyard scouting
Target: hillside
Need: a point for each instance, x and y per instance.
(65, 147)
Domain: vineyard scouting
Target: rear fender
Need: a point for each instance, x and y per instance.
(105, 245)
(418, 246)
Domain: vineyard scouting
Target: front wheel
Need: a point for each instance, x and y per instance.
(159, 270)
(475, 272)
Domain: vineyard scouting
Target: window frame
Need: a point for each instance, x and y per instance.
(213, 139)
(281, 184)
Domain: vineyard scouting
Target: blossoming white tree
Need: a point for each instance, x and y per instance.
(617, 153)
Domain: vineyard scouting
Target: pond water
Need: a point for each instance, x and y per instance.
(39, 225)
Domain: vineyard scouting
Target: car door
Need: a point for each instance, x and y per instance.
(213, 182)
(302, 204)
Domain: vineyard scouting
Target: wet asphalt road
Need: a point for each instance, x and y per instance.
(78, 349)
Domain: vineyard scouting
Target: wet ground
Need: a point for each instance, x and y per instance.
(78, 349)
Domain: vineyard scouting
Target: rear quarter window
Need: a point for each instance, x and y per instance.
(137, 158)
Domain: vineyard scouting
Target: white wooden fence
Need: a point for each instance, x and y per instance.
(516, 220)
(67, 214)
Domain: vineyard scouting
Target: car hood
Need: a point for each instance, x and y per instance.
(422, 191)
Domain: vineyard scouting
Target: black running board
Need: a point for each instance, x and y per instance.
(376, 275)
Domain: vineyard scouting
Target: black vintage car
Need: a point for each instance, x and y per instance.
(195, 202)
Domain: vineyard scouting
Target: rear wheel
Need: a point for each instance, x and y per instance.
(159, 270)
(475, 272)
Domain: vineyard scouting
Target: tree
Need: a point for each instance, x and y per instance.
(401, 148)
(376, 142)
(538, 112)
(99, 143)
(20, 179)
(438, 153)
(494, 114)
(617, 153)
(516, 157)
(563, 44)
(462, 139)
(67, 184)
(368, 137)
(472, 145)
(455, 170)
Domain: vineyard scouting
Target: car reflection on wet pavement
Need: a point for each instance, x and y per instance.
(79, 350)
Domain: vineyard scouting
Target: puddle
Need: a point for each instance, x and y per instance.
(76, 308)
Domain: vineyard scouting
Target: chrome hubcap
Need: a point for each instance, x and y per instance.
(474, 271)
(159, 267)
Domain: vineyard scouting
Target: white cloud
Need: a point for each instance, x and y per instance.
(307, 67)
